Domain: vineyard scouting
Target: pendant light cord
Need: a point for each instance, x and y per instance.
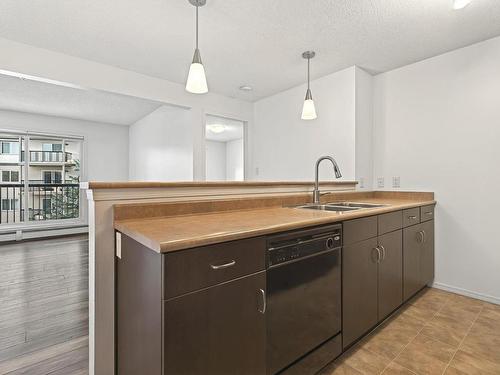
(197, 27)
(308, 72)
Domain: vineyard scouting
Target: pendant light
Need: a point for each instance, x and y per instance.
(197, 81)
(308, 110)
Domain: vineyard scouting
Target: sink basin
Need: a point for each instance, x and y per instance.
(340, 206)
(357, 205)
(327, 207)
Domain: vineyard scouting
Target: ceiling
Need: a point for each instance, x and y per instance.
(233, 129)
(30, 96)
(257, 43)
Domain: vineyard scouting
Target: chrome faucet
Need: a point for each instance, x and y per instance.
(336, 168)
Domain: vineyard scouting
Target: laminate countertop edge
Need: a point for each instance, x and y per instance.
(168, 234)
(205, 184)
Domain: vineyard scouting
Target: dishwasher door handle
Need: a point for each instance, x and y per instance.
(264, 302)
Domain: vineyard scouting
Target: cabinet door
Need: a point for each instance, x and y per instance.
(427, 259)
(412, 258)
(390, 273)
(359, 289)
(219, 330)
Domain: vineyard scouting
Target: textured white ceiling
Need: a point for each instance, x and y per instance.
(255, 42)
(233, 129)
(48, 99)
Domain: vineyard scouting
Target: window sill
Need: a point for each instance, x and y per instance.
(21, 231)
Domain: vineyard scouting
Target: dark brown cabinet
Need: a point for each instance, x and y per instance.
(359, 289)
(219, 330)
(390, 273)
(418, 265)
(427, 259)
(372, 274)
(197, 311)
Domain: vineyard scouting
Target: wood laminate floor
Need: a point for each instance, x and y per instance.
(44, 307)
(436, 333)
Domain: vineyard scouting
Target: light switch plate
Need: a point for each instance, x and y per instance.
(380, 182)
(396, 182)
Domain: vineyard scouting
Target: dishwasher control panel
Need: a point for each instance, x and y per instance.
(296, 245)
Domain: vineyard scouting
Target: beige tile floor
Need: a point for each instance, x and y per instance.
(435, 333)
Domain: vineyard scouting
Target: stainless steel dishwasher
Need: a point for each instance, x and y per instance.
(304, 294)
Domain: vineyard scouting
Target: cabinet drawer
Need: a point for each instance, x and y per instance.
(390, 222)
(360, 229)
(426, 213)
(411, 216)
(193, 269)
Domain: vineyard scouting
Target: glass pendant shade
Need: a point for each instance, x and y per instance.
(197, 80)
(308, 109)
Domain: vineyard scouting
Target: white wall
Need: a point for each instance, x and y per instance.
(216, 160)
(284, 147)
(364, 129)
(437, 126)
(161, 146)
(225, 160)
(235, 160)
(105, 147)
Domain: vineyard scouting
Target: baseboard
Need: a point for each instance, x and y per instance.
(467, 293)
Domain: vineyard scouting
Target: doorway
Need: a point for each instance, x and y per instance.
(224, 149)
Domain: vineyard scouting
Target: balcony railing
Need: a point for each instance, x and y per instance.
(49, 156)
(52, 201)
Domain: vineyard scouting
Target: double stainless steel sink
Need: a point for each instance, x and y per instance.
(340, 206)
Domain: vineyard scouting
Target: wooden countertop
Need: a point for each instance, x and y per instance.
(166, 234)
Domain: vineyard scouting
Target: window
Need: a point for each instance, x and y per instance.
(10, 148)
(45, 189)
(10, 204)
(52, 177)
(54, 147)
(10, 176)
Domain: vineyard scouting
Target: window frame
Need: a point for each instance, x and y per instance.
(25, 138)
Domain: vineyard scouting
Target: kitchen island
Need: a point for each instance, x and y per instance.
(103, 196)
(204, 265)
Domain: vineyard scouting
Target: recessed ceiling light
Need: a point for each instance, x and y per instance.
(216, 128)
(246, 88)
(460, 4)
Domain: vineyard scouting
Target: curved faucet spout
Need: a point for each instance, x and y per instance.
(316, 193)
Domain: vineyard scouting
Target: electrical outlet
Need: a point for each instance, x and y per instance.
(396, 182)
(380, 182)
(257, 171)
(361, 183)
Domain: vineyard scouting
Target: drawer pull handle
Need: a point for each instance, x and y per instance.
(222, 266)
(428, 213)
(412, 217)
(264, 302)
